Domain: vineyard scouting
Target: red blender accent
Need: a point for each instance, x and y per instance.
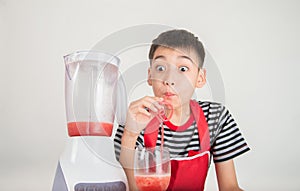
(88, 161)
(90, 128)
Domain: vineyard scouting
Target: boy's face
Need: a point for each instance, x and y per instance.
(174, 75)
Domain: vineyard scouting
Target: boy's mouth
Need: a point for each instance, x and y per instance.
(168, 94)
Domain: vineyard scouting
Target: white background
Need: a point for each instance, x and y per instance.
(254, 43)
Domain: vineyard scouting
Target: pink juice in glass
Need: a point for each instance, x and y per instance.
(152, 182)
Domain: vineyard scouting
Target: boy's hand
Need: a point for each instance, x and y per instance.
(141, 112)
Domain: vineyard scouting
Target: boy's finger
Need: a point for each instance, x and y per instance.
(158, 105)
(149, 106)
(152, 103)
(144, 111)
(145, 103)
(154, 99)
(143, 108)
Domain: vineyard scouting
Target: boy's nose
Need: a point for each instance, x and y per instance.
(167, 83)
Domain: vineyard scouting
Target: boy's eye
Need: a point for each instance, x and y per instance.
(183, 68)
(160, 68)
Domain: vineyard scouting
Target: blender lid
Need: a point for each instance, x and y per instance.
(92, 55)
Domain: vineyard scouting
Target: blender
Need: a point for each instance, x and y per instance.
(88, 161)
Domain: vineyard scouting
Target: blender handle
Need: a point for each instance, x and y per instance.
(67, 62)
(68, 72)
(121, 107)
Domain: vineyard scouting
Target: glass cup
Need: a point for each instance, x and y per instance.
(152, 168)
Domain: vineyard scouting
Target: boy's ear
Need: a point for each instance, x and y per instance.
(149, 78)
(201, 78)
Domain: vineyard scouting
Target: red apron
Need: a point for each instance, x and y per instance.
(187, 173)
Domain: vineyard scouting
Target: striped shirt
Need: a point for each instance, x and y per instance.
(226, 140)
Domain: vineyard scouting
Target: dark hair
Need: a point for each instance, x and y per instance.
(178, 38)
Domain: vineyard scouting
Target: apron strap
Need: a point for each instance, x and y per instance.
(203, 131)
(151, 133)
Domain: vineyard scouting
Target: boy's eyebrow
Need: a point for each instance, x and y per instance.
(163, 57)
(159, 56)
(186, 57)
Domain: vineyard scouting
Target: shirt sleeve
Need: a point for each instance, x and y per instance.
(229, 142)
(118, 138)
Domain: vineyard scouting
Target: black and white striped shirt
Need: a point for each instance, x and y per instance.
(226, 140)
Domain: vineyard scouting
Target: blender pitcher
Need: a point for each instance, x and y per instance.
(88, 161)
(91, 79)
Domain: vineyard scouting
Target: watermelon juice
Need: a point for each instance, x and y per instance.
(152, 182)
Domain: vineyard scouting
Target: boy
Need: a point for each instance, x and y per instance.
(195, 131)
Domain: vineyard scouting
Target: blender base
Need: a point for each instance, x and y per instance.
(88, 164)
(59, 180)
